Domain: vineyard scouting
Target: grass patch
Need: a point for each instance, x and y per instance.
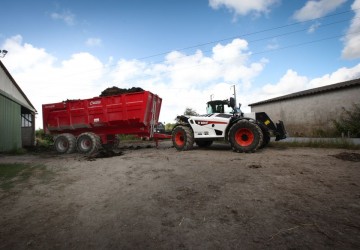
(318, 143)
(15, 173)
(18, 151)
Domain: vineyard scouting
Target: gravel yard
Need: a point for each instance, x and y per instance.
(160, 198)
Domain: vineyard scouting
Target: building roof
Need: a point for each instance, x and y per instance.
(327, 88)
(29, 104)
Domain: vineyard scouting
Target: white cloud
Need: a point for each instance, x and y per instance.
(189, 80)
(45, 80)
(127, 71)
(66, 16)
(181, 80)
(292, 82)
(316, 9)
(340, 75)
(314, 27)
(29, 56)
(352, 39)
(93, 42)
(273, 44)
(232, 52)
(244, 7)
(226, 63)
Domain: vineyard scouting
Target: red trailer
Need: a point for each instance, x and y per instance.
(89, 124)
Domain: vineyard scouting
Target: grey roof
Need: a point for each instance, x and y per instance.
(17, 86)
(327, 88)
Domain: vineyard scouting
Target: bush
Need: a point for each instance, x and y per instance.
(349, 122)
(169, 126)
(43, 139)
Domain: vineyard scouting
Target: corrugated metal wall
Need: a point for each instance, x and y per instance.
(10, 125)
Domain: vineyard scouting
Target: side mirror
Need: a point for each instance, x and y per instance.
(232, 102)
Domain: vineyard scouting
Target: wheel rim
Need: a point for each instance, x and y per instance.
(85, 144)
(179, 138)
(244, 137)
(63, 145)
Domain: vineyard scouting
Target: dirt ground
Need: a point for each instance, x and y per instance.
(149, 198)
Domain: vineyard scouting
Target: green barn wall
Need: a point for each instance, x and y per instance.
(10, 125)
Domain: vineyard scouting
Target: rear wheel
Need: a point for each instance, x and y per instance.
(182, 138)
(203, 144)
(65, 143)
(245, 136)
(88, 143)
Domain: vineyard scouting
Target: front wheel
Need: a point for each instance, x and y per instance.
(88, 143)
(245, 136)
(182, 138)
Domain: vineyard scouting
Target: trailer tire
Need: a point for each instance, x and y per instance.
(203, 144)
(88, 143)
(182, 138)
(245, 136)
(65, 143)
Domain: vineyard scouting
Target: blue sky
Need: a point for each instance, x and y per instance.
(182, 50)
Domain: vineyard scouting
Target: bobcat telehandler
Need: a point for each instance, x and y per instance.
(245, 132)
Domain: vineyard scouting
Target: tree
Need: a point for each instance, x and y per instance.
(349, 122)
(190, 112)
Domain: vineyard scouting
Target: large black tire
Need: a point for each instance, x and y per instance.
(182, 138)
(266, 139)
(203, 144)
(245, 136)
(266, 135)
(65, 143)
(88, 143)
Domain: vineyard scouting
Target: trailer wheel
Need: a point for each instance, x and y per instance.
(88, 143)
(203, 144)
(182, 138)
(245, 136)
(65, 143)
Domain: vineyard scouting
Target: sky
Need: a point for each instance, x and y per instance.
(185, 51)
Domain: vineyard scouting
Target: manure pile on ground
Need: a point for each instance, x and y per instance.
(348, 156)
(117, 91)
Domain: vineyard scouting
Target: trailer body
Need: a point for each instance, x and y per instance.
(130, 113)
